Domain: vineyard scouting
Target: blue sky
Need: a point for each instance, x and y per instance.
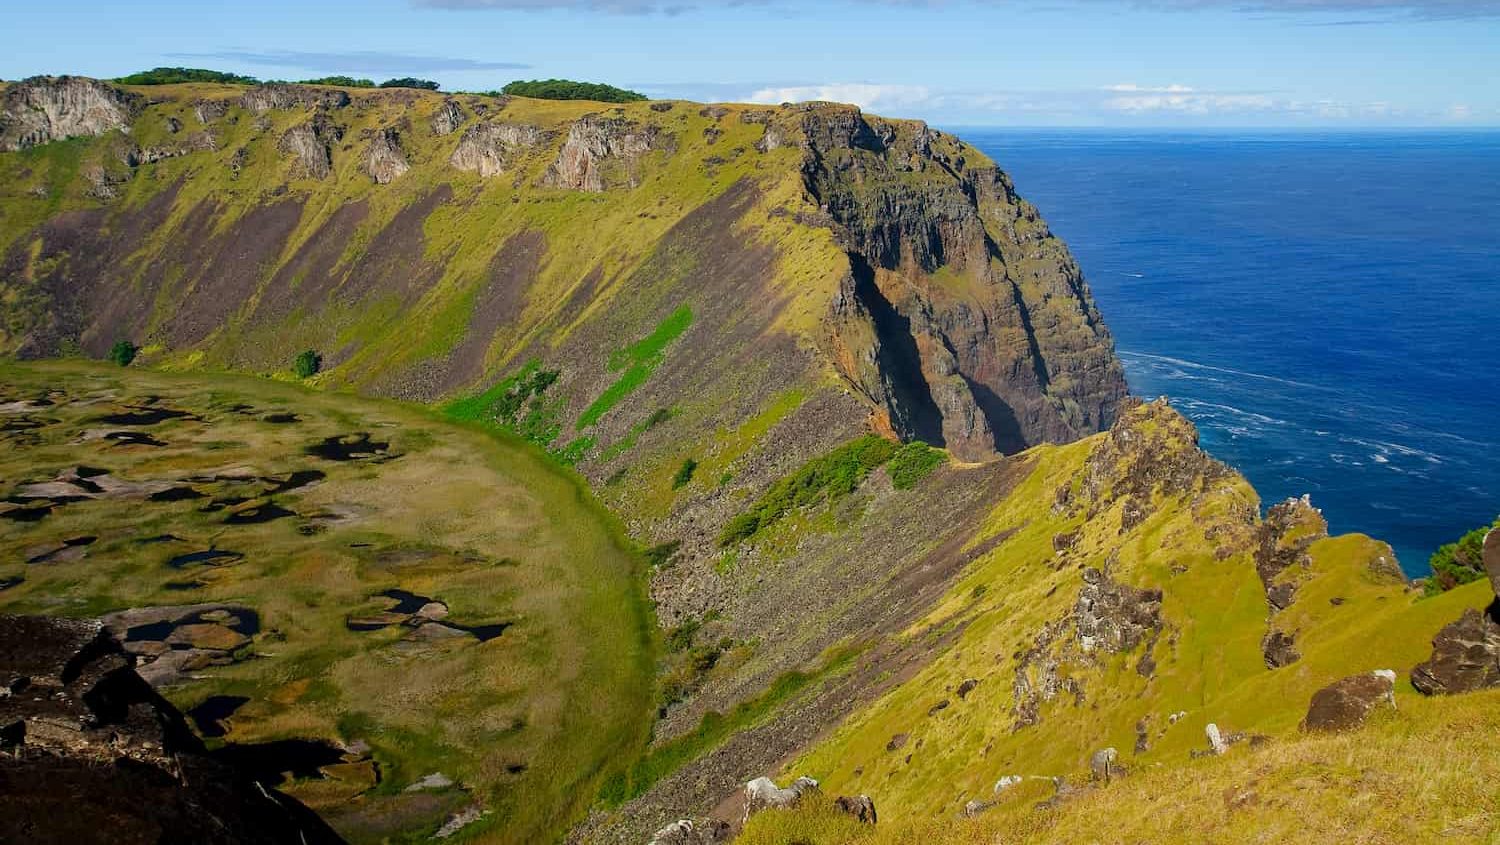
(1116, 63)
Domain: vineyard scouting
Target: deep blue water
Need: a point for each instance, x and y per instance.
(1326, 307)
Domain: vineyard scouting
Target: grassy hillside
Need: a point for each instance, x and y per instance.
(1420, 774)
(1059, 675)
(531, 685)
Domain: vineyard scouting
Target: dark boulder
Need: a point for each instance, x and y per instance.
(861, 807)
(94, 754)
(1465, 654)
(1346, 704)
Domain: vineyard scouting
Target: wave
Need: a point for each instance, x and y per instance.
(1179, 362)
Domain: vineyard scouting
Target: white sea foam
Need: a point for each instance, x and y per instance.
(1197, 366)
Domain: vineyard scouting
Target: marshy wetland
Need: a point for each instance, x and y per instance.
(399, 617)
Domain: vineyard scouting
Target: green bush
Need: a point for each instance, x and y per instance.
(411, 82)
(307, 364)
(343, 81)
(175, 75)
(684, 474)
(830, 476)
(567, 89)
(912, 463)
(661, 555)
(123, 352)
(1456, 564)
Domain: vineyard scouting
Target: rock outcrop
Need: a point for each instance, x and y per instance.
(601, 153)
(94, 754)
(311, 144)
(492, 148)
(861, 807)
(690, 832)
(763, 794)
(1022, 357)
(385, 162)
(448, 117)
(47, 108)
(1113, 617)
(1345, 704)
(1465, 655)
(264, 98)
(1492, 558)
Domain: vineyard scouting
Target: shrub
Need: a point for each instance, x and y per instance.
(307, 364)
(912, 463)
(567, 89)
(411, 82)
(175, 75)
(1456, 564)
(123, 352)
(684, 474)
(661, 554)
(344, 81)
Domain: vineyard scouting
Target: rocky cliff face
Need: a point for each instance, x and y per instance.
(963, 319)
(45, 109)
(93, 754)
(601, 152)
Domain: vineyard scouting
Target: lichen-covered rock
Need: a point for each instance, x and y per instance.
(861, 807)
(47, 108)
(1216, 743)
(690, 832)
(763, 794)
(1114, 617)
(492, 148)
(311, 145)
(264, 98)
(1346, 704)
(384, 160)
(1465, 655)
(602, 153)
(1104, 765)
(448, 117)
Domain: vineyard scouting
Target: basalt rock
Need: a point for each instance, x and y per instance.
(311, 144)
(1346, 704)
(492, 148)
(763, 794)
(448, 117)
(1465, 654)
(47, 108)
(1288, 530)
(690, 832)
(1024, 358)
(384, 160)
(601, 153)
(1112, 617)
(1279, 649)
(861, 807)
(93, 754)
(264, 98)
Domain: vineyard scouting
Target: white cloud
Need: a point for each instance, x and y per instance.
(866, 95)
(1138, 99)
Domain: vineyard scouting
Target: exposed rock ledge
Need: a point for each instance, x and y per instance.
(93, 754)
(46, 108)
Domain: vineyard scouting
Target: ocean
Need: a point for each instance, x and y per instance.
(1325, 307)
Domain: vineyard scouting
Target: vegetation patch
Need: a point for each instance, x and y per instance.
(638, 361)
(307, 363)
(829, 476)
(567, 89)
(341, 81)
(179, 75)
(123, 352)
(518, 404)
(913, 462)
(1456, 564)
(684, 474)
